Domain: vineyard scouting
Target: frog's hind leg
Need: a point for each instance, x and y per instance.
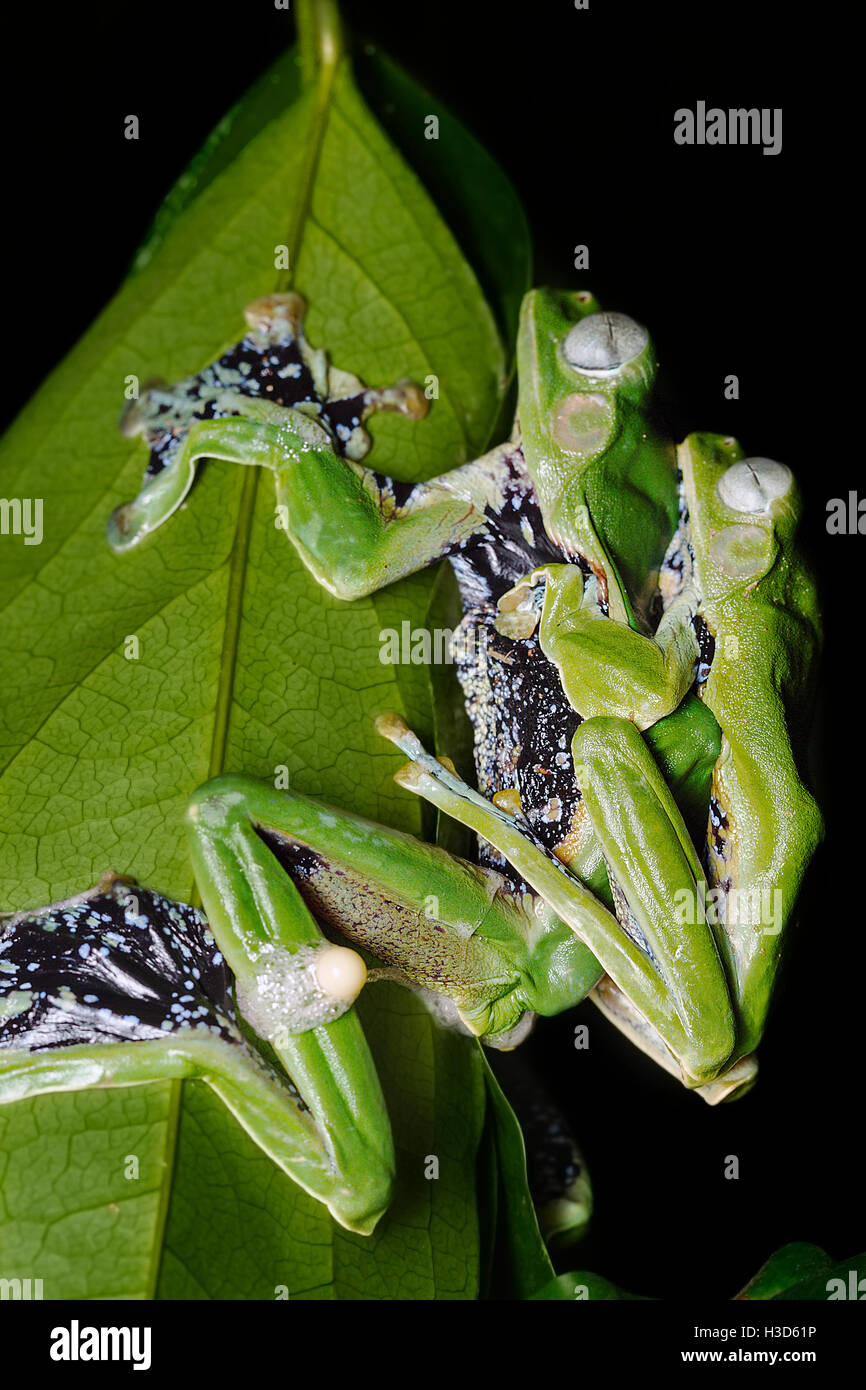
(661, 897)
(736, 1080)
(673, 976)
(272, 864)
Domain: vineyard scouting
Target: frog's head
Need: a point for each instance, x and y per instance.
(596, 462)
(576, 365)
(743, 513)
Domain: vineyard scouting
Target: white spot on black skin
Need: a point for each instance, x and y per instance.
(142, 974)
(120, 964)
(707, 646)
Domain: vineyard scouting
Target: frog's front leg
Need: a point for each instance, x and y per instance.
(344, 520)
(232, 439)
(606, 666)
(272, 401)
(355, 538)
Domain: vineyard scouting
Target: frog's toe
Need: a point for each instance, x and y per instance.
(134, 419)
(126, 527)
(732, 1084)
(406, 398)
(272, 310)
(412, 400)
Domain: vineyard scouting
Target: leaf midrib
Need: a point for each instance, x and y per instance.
(246, 509)
(234, 610)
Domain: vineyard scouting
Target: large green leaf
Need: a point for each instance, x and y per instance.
(244, 664)
(521, 1265)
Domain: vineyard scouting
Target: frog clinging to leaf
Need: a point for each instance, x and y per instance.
(640, 644)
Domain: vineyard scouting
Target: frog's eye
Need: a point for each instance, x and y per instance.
(603, 343)
(752, 484)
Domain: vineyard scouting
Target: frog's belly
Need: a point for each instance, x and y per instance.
(522, 722)
(522, 725)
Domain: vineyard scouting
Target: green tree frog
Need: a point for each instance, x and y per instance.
(637, 659)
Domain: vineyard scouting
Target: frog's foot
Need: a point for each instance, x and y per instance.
(404, 398)
(607, 667)
(344, 400)
(519, 609)
(734, 1082)
(272, 378)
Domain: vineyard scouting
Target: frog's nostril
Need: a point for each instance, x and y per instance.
(603, 343)
(752, 484)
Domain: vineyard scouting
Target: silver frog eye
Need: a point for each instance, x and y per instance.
(603, 343)
(752, 484)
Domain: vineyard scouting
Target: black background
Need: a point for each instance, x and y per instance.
(737, 262)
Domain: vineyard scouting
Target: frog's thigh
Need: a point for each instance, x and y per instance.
(653, 864)
(270, 861)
